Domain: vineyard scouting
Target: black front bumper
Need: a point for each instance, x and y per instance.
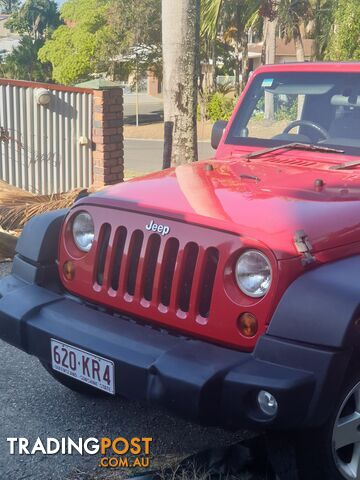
(195, 379)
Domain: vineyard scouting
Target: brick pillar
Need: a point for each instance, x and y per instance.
(108, 140)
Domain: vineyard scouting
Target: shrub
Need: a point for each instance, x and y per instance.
(219, 107)
(288, 111)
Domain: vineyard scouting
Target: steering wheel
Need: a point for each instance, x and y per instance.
(307, 123)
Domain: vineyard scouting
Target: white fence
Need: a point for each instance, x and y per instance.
(225, 79)
(45, 147)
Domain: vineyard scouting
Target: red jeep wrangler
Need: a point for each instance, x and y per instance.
(228, 290)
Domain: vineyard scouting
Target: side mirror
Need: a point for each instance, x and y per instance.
(217, 133)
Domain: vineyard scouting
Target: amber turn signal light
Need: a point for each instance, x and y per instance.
(247, 325)
(69, 270)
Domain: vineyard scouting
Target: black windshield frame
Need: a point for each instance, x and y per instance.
(341, 80)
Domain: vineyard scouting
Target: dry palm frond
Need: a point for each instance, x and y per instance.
(10, 194)
(14, 213)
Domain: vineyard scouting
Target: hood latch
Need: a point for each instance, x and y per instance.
(304, 247)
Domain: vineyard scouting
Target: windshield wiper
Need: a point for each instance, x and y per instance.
(343, 166)
(293, 146)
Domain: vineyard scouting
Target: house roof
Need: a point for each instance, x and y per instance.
(99, 84)
(284, 49)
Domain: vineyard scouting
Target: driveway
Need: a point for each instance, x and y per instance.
(33, 405)
(147, 155)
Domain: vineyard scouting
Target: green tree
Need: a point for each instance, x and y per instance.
(232, 18)
(135, 35)
(105, 36)
(34, 21)
(292, 15)
(35, 18)
(23, 64)
(9, 6)
(76, 48)
(322, 25)
(344, 43)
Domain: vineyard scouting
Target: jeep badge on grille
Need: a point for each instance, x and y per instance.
(154, 227)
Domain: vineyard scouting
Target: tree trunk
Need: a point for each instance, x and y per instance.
(299, 45)
(317, 31)
(270, 51)
(214, 59)
(244, 60)
(180, 30)
(237, 51)
(300, 57)
(263, 50)
(271, 42)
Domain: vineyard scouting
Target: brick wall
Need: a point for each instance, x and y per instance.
(108, 140)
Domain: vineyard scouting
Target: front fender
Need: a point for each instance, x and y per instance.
(37, 249)
(322, 307)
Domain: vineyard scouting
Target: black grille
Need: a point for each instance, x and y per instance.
(169, 261)
(133, 263)
(150, 262)
(103, 247)
(118, 253)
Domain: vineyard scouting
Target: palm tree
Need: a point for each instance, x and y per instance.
(233, 19)
(269, 12)
(292, 15)
(322, 25)
(180, 36)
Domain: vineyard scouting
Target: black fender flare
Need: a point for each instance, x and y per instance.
(322, 307)
(37, 249)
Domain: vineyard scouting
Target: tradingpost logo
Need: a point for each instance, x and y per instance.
(119, 452)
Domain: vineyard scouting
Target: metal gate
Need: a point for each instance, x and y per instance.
(45, 136)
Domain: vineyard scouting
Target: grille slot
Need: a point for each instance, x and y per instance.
(191, 253)
(169, 262)
(103, 247)
(119, 245)
(151, 257)
(133, 260)
(211, 261)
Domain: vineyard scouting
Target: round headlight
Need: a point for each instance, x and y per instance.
(83, 231)
(253, 273)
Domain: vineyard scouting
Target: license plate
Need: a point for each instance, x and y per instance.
(83, 366)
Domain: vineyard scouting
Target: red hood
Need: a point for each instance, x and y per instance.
(258, 199)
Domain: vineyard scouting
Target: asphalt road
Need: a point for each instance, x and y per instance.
(147, 155)
(33, 405)
(150, 109)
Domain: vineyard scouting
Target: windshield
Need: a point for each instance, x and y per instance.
(300, 107)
